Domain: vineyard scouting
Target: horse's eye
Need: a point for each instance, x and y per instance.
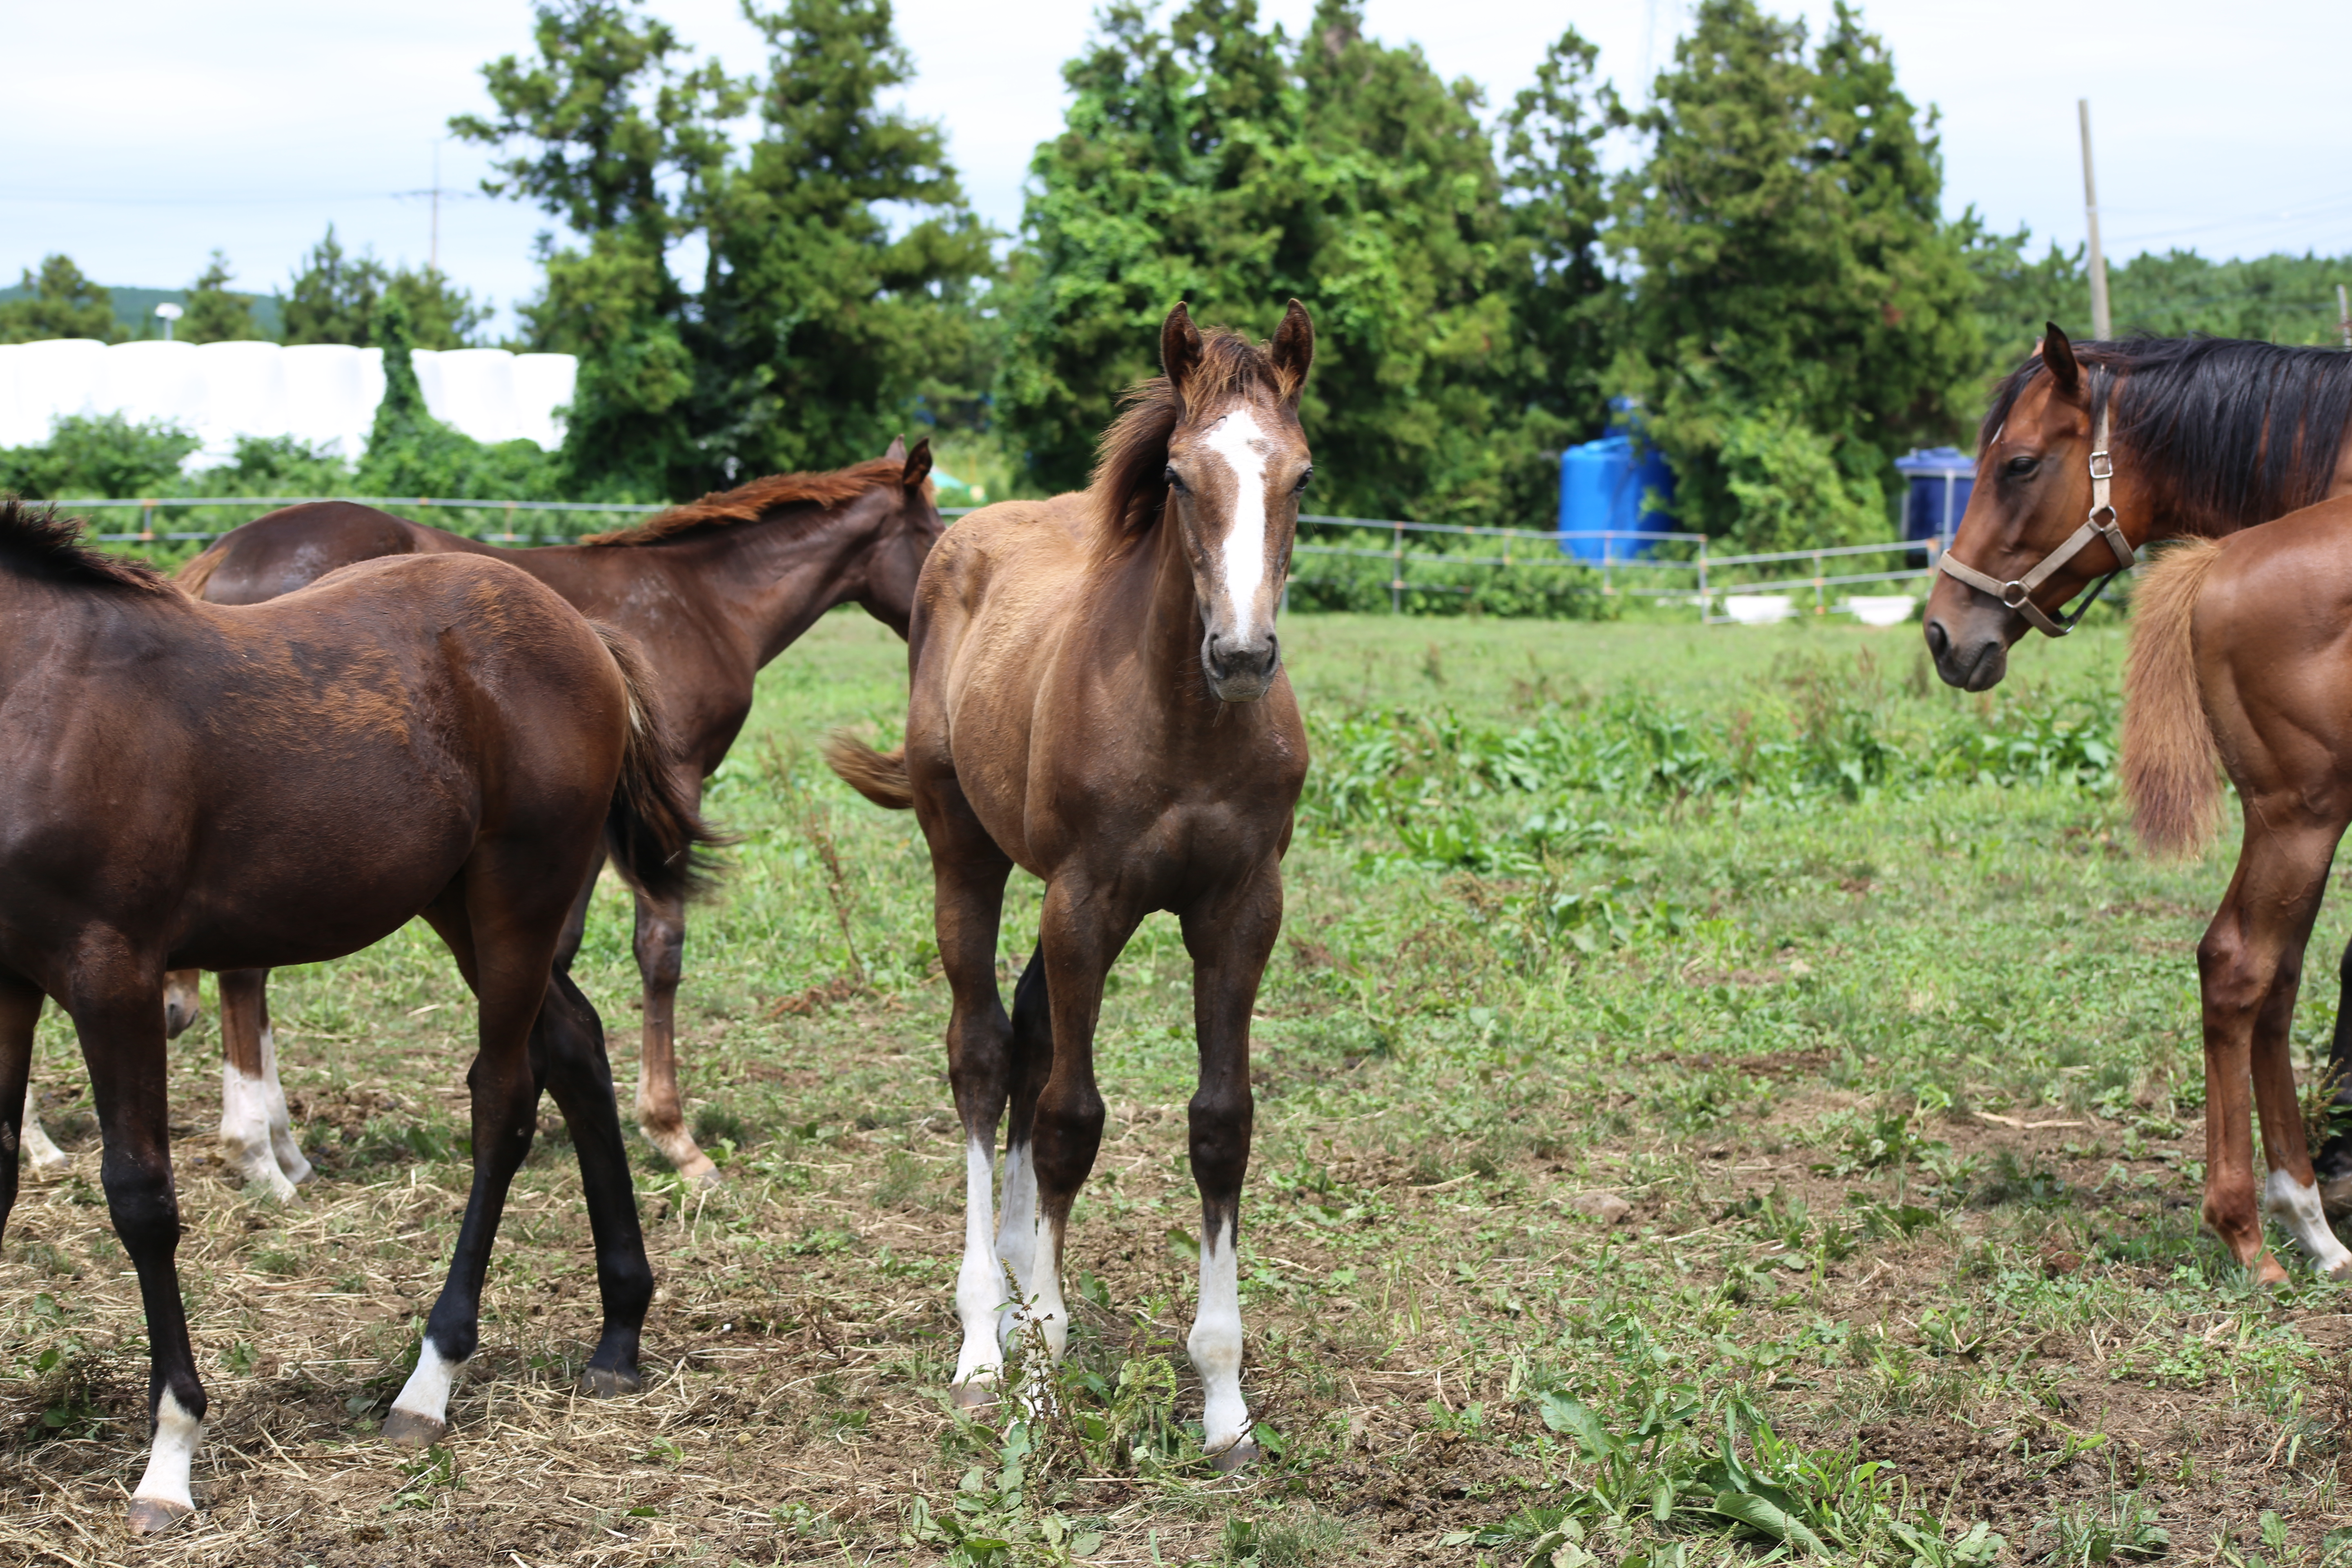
(1175, 481)
(1302, 481)
(2020, 467)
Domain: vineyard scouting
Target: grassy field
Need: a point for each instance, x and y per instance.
(1718, 1092)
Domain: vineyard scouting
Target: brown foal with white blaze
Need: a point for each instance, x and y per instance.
(1097, 696)
(2243, 646)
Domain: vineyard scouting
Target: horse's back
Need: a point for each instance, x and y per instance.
(294, 546)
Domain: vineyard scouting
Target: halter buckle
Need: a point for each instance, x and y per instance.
(2013, 594)
(2103, 466)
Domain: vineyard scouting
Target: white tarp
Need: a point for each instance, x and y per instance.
(322, 393)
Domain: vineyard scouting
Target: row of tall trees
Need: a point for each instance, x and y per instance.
(333, 297)
(1772, 279)
(1768, 276)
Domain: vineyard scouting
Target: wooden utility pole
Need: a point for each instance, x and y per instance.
(2344, 314)
(2101, 325)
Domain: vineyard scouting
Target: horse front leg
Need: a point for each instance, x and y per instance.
(116, 1009)
(1230, 940)
(2332, 1163)
(968, 904)
(1082, 928)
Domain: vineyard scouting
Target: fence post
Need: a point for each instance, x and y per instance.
(146, 520)
(1706, 605)
(1607, 586)
(1396, 574)
(1818, 608)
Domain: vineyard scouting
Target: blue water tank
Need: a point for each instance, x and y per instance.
(1937, 480)
(1603, 484)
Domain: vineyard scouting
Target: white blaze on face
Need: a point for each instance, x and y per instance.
(2296, 1209)
(177, 1433)
(1238, 439)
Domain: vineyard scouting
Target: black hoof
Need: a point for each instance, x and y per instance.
(152, 1516)
(406, 1429)
(1240, 1456)
(609, 1383)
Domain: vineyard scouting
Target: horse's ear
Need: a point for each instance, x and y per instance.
(897, 453)
(918, 461)
(1180, 347)
(1292, 351)
(2058, 356)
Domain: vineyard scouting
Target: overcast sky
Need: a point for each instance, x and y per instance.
(138, 135)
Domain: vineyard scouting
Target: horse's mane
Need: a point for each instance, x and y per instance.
(37, 540)
(2196, 413)
(749, 503)
(1130, 484)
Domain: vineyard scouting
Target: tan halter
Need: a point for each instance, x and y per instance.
(2017, 592)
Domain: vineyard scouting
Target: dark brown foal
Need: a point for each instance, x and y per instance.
(190, 786)
(712, 592)
(1097, 697)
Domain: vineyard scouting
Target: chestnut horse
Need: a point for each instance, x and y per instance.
(193, 786)
(1097, 697)
(2243, 646)
(711, 592)
(2205, 436)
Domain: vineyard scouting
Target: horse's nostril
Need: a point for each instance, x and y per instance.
(1939, 641)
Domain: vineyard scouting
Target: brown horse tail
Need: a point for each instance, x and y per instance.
(879, 776)
(656, 838)
(2167, 743)
(193, 575)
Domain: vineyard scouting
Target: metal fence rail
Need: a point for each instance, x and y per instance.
(1629, 564)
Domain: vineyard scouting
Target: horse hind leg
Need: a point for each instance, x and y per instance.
(661, 1114)
(507, 954)
(569, 1040)
(246, 1053)
(2249, 966)
(1030, 1060)
(182, 1002)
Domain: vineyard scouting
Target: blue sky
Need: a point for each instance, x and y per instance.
(139, 135)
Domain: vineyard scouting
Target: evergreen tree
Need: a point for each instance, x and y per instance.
(1802, 315)
(58, 303)
(333, 298)
(214, 314)
(821, 330)
(1224, 163)
(623, 140)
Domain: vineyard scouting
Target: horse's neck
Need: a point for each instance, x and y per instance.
(768, 580)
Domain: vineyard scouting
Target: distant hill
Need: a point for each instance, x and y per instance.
(136, 308)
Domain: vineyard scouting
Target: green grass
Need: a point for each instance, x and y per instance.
(1853, 990)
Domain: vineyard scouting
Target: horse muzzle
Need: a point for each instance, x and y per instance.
(1239, 670)
(1971, 662)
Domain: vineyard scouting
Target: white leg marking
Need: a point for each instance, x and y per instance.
(245, 1133)
(1215, 1344)
(2296, 1209)
(282, 1145)
(427, 1392)
(46, 1157)
(980, 1282)
(1016, 1233)
(177, 1433)
(1238, 441)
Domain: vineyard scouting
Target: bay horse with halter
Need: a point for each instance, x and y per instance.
(2090, 452)
(2241, 648)
(711, 592)
(195, 786)
(1097, 697)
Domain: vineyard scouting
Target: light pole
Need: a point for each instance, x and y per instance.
(170, 313)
